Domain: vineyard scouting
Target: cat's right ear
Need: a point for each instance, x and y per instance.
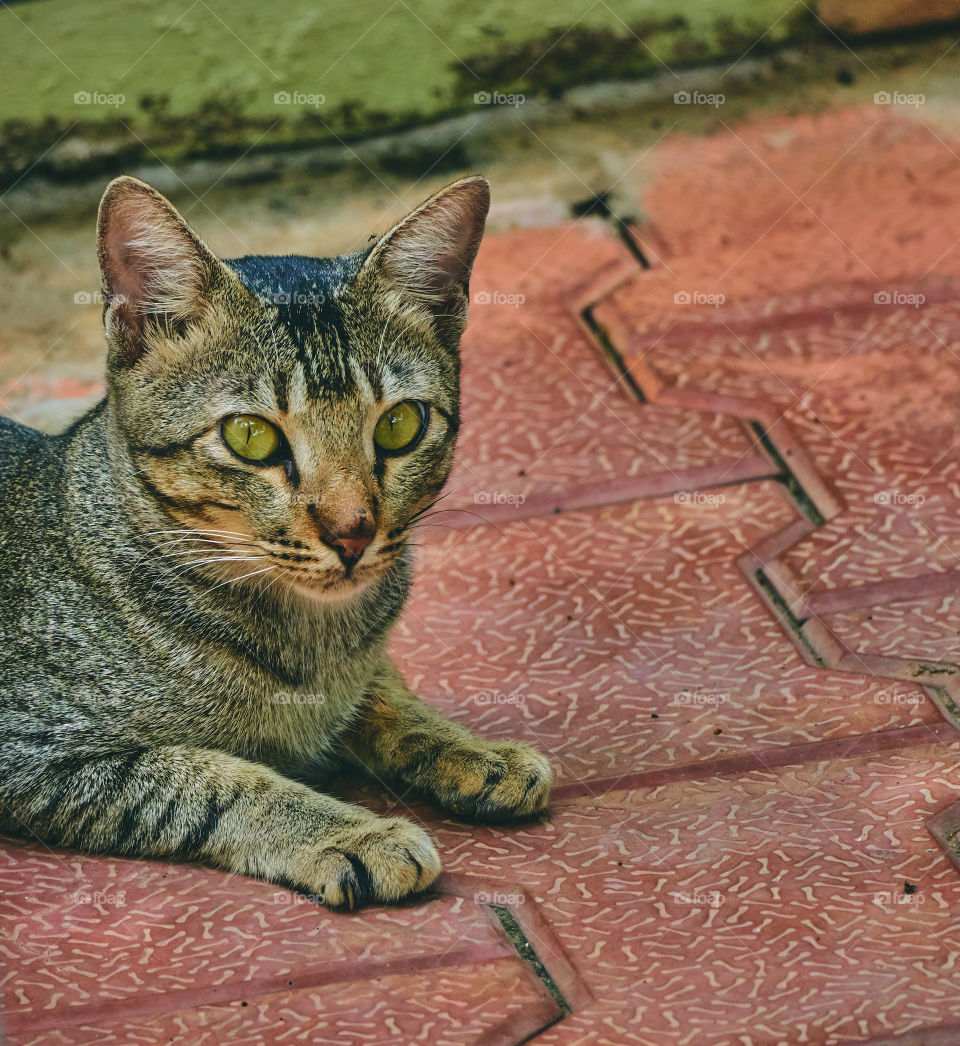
(156, 271)
(428, 256)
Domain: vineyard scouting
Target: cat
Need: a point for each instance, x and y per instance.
(199, 577)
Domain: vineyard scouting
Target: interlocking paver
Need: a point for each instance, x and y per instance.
(542, 417)
(627, 638)
(738, 849)
(803, 906)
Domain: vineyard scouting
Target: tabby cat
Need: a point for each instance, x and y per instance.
(198, 579)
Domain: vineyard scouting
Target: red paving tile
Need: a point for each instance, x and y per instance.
(487, 1003)
(766, 908)
(249, 935)
(849, 356)
(925, 627)
(579, 651)
(741, 681)
(790, 202)
(112, 949)
(807, 904)
(871, 394)
(574, 430)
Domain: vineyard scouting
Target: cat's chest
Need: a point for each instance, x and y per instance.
(298, 721)
(275, 705)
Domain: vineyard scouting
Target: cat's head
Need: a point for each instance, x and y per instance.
(291, 415)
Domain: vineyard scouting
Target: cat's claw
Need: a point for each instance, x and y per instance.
(382, 859)
(493, 782)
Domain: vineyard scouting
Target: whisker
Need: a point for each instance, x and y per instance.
(282, 571)
(467, 512)
(179, 569)
(245, 577)
(434, 526)
(184, 531)
(419, 514)
(213, 547)
(195, 539)
(216, 559)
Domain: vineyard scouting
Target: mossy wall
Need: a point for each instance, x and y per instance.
(214, 76)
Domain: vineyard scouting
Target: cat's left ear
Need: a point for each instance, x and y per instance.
(429, 255)
(156, 271)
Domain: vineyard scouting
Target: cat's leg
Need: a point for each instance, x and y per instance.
(397, 737)
(198, 804)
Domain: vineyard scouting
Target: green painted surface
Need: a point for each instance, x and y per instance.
(194, 76)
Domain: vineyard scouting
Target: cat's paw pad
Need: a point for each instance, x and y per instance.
(383, 859)
(495, 782)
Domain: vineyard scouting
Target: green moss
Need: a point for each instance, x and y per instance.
(526, 951)
(171, 80)
(787, 618)
(923, 669)
(582, 54)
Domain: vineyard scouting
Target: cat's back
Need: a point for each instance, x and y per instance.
(31, 470)
(18, 444)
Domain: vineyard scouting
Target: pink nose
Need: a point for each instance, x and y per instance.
(350, 549)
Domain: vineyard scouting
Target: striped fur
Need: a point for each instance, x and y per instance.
(184, 650)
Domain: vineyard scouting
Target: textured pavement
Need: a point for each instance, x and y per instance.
(718, 585)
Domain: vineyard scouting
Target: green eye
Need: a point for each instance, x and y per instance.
(251, 437)
(399, 426)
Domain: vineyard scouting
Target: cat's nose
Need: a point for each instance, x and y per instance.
(345, 525)
(350, 549)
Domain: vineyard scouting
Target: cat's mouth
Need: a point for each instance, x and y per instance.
(323, 583)
(264, 564)
(329, 592)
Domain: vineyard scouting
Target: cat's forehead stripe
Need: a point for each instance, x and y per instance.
(265, 391)
(298, 393)
(302, 298)
(366, 380)
(294, 279)
(393, 387)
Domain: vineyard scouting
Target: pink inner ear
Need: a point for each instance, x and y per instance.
(449, 269)
(432, 252)
(150, 258)
(126, 275)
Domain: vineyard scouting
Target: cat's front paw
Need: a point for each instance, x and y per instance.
(380, 859)
(492, 782)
